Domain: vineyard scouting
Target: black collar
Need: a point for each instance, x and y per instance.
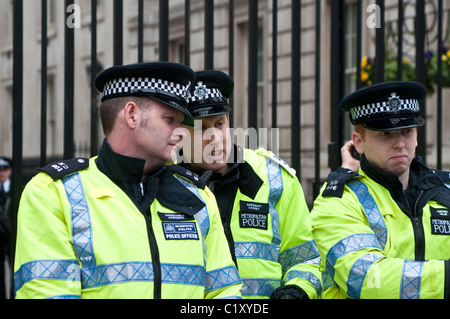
(389, 181)
(420, 176)
(241, 172)
(119, 168)
(126, 172)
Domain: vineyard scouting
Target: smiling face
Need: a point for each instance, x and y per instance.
(390, 151)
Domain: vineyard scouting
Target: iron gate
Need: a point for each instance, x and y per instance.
(337, 70)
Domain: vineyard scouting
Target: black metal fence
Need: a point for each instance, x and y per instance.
(337, 71)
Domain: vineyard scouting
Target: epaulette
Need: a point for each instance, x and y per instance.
(60, 169)
(187, 174)
(336, 182)
(276, 159)
(445, 176)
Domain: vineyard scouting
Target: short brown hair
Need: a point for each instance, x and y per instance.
(111, 107)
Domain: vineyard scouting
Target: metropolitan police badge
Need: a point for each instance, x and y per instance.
(394, 101)
(200, 91)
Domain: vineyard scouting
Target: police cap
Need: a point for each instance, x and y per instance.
(5, 162)
(386, 106)
(209, 96)
(166, 82)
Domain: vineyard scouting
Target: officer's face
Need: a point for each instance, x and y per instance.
(391, 151)
(212, 134)
(5, 173)
(158, 133)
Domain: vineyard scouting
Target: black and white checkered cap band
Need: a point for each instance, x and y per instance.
(130, 85)
(383, 107)
(206, 94)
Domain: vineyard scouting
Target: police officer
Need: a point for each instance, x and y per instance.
(5, 219)
(124, 225)
(261, 202)
(384, 231)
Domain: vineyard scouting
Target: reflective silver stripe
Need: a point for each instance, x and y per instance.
(314, 261)
(46, 269)
(358, 273)
(224, 277)
(298, 254)
(217, 278)
(256, 250)
(93, 275)
(66, 297)
(276, 190)
(327, 281)
(81, 220)
(183, 274)
(142, 271)
(202, 216)
(116, 273)
(259, 286)
(347, 245)
(305, 275)
(373, 214)
(411, 278)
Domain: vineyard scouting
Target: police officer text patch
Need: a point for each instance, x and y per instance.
(171, 217)
(180, 231)
(253, 215)
(440, 221)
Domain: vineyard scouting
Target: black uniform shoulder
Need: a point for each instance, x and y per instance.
(60, 169)
(445, 176)
(336, 182)
(187, 174)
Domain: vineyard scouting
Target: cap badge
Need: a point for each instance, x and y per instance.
(200, 91)
(394, 101)
(186, 91)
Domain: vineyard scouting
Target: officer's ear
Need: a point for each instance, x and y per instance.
(358, 142)
(131, 114)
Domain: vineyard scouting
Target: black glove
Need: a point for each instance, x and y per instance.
(289, 292)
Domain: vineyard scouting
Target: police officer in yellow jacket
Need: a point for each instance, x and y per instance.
(122, 224)
(261, 202)
(384, 231)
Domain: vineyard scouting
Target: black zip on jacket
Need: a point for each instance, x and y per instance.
(240, 176)
(127, 172)
(424, 185)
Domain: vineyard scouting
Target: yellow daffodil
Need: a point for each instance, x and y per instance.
(364, 62)
(364, 76)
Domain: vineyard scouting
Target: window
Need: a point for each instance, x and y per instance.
(350, 47)
(180, 48)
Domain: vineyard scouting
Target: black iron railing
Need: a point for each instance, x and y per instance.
(336, 90)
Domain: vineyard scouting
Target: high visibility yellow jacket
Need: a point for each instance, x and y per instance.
(268, 225)
(377, 240)
(80, 235)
